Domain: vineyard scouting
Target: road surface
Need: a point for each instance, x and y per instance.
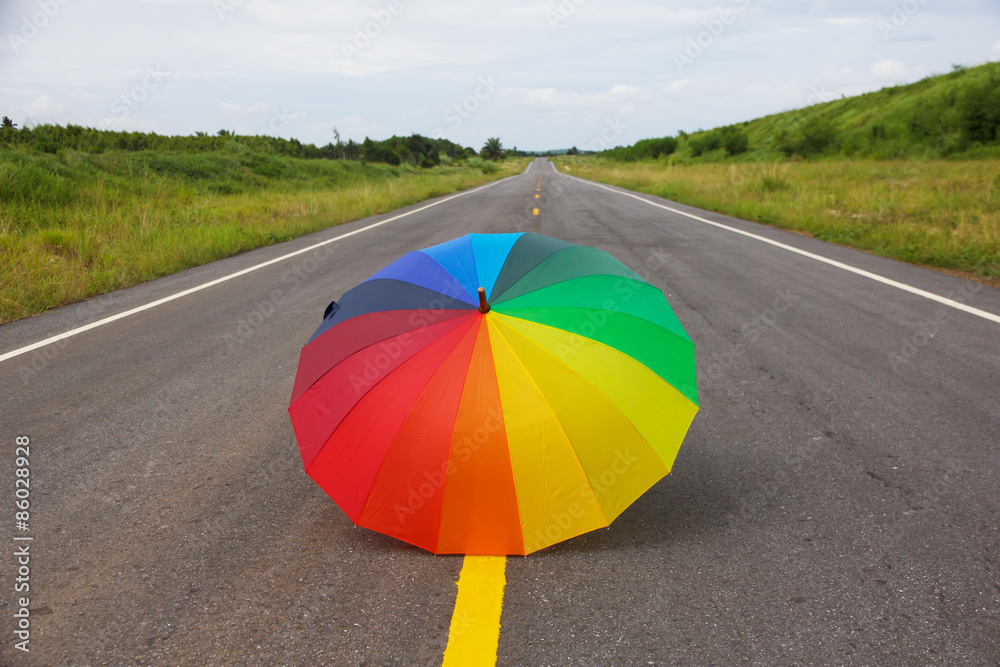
(835, 501)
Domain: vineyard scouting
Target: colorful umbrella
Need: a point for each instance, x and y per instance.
(494, 394)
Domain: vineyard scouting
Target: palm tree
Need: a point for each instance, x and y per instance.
(492, 149)
(7, 122)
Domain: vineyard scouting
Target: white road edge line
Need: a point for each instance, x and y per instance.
(217, 281)
(819, 258)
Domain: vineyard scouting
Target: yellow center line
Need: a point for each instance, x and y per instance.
(475, 624)
(535, 212)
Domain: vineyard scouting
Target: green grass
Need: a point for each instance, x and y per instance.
(77, 224)
(954, 115)
(937, 213)
(926, 120)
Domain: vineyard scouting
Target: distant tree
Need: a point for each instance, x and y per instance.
(735, 140)
(813, 136)
(352, 150)
(339, 144)
(421, 151)
(818, 134)
(573, 151)
(226, 133)
(492, 149)
(658, 147)
(8, 123)
(378, 151)
(705, 142)
(979, 112)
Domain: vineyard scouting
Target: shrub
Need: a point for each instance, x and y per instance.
(735, 140)
(376, 152)
(705, 143)
(979, 110)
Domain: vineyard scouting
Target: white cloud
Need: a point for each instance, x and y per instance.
(675, 87)
(996, 47)
(42, 107)
(633, 92)
(888, 69)
(845, 20)
(120, 124)
(233, 110)
(356, 128)
(618, 97)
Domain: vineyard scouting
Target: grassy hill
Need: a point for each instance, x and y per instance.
(950, 115)
(909, 172)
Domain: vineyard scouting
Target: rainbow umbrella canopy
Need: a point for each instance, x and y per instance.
(494, 394)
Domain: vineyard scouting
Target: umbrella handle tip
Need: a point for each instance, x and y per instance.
(483, 306)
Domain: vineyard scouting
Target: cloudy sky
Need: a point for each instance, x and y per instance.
(539, 74)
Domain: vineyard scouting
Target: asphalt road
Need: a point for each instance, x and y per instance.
(835, 502)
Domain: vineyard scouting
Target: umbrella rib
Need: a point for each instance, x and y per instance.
(641, 319)
(472, 278)
(595, 388)
(674, 334)
(378, 471)
(631, 275)
(559, 423)
(472, 296)
(372, 343)
(451, 451)
(376, 383)
(356, 405)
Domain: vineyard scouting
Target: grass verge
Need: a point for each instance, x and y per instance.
(75, 225)
(938, 213)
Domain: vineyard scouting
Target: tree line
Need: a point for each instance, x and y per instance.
(415, 149)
